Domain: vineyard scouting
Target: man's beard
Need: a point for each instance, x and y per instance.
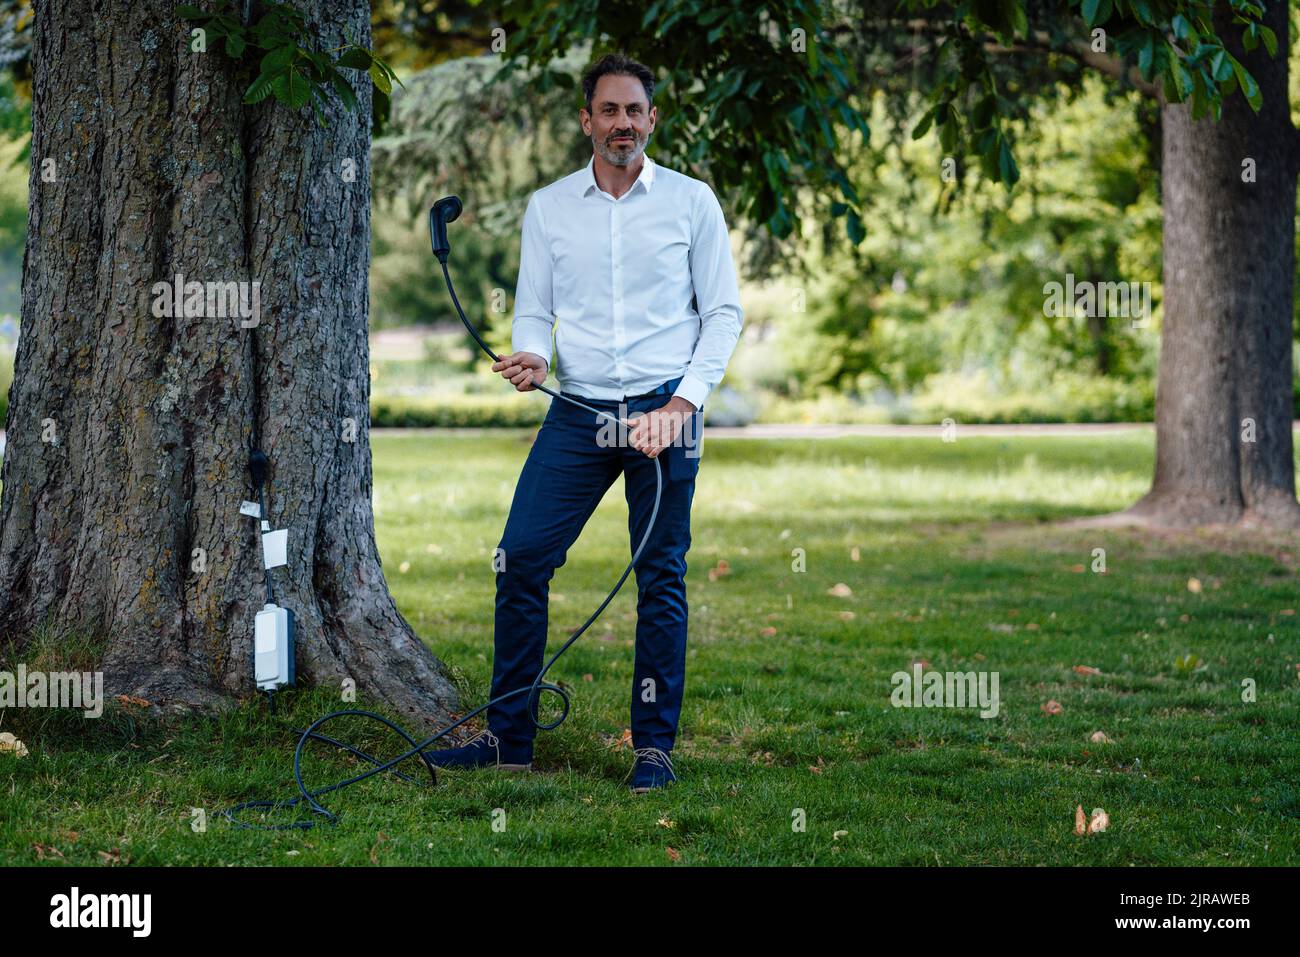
(621, 156)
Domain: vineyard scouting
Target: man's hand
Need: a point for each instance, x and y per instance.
(522, 370)
(657, 429)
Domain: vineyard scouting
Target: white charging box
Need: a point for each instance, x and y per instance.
(273, 647)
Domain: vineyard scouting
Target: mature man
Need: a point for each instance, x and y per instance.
(629, 264)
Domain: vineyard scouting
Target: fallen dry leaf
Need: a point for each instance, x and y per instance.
(847, 616)
(855, 553)
(839, 834)
(129, 699)
(380, 837)
(1080, 821)
(588, 677)
(1086, 670)
(664, 822)
(718, 570)
(9, 743)
(1194, 586)
(840, 590)
(1052, 707)
(767, 632)
(673, 854)
(1100, 737)
(1100, 821)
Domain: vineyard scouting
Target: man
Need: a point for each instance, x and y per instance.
(629, 264)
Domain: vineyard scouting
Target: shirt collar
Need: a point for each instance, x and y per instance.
(587, 181)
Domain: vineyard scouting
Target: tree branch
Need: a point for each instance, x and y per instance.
(1039, 43)
(1085, 55)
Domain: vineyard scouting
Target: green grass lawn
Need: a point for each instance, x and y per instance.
(954, 558)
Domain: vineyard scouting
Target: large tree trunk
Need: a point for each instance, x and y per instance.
(128, 434)
(1229, 270)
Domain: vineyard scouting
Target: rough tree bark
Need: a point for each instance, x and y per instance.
(128, 433)
(1229, 270)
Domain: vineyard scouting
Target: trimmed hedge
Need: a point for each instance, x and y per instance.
(458, 411)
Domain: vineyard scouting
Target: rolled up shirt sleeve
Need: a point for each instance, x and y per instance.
(717, 299)
(530, 330)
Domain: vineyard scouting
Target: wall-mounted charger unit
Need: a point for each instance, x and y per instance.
(273, 647)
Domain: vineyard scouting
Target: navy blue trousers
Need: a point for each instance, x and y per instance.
(569, 469)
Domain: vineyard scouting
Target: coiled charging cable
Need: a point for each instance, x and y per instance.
(444, 211)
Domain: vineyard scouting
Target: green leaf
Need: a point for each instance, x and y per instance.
(854, 224)
(1146, 56)
(923, 125)
(948, 130)
(564, 79)
(1007, 169)
(187, 11)
(1182, 27)
(1249, 88)
(1020, 19)
(235, 46)
(318, 65)
(259, 89)
(1270, 39)
(345, 92)
(279, 58)
(382, 83)
(1221, 65)
(382, 107)
(1172, 93)
(355, 58)
(291, 88)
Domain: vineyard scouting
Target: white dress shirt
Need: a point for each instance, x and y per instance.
(615, 279)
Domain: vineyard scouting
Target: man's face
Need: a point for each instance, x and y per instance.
(620, 121)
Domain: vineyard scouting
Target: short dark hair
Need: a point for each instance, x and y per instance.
(616, 64)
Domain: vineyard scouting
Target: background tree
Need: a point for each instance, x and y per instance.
(1229, 160)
